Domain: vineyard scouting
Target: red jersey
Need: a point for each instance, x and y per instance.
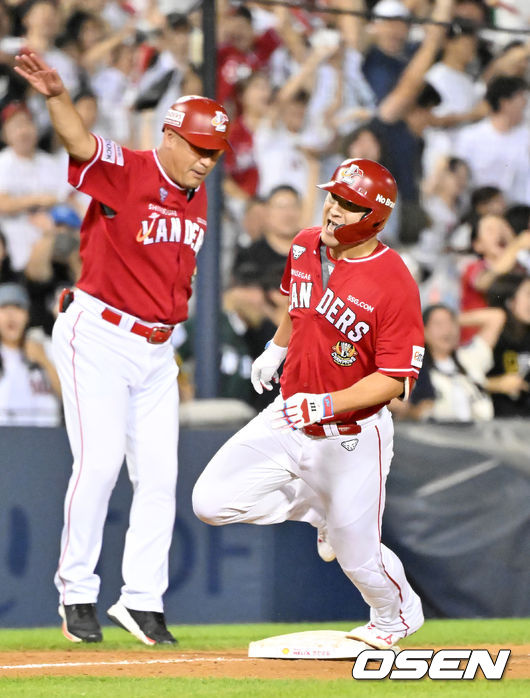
(140, 234)
(367, 319)
(471, 297)
(240, 163)
(234, 65)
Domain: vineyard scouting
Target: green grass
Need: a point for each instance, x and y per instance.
(506, 632)
(221, 637)
(70, 687)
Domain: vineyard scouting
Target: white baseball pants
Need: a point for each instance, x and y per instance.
(265, 476)
(120, 399)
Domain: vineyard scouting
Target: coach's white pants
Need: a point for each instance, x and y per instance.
(265, 476)
(120, 399)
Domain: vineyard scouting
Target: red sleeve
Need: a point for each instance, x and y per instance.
(473, 271)
(266, 44)
(285, 286)
(106, 176)
(400, 342)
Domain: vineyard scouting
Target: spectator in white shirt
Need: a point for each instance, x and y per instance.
(29, 385)
(30, 179)
(497, 148)
(460, 93)
(451, 386)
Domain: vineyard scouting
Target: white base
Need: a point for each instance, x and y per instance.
(311, 644)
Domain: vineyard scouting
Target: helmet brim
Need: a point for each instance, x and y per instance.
(203, 140)
(345, 192)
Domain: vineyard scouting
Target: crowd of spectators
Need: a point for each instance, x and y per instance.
(442, 103)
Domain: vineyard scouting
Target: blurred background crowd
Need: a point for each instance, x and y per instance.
(433, 89)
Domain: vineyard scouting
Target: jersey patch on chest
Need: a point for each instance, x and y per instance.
(343, 353)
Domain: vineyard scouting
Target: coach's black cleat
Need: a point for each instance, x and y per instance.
(147, 626)
(80, 622)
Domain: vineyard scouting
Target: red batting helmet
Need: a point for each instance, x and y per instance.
(201, 121)
(367, 184)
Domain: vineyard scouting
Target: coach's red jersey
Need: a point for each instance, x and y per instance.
(140, 234)
(367, 319)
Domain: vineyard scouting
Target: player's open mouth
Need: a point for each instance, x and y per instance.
(331, 226)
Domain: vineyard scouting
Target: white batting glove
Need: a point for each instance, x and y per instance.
(303, 409)
(265, 367)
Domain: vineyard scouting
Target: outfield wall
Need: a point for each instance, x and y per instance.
(457, 513)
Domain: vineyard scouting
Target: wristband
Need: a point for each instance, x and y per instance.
(276, 350)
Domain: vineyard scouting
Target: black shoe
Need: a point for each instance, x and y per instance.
(147, 626)
(80, 622)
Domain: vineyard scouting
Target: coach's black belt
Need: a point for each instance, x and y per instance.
(318, 430)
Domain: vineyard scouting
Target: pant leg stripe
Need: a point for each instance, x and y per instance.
(407, 627)
(68, 516)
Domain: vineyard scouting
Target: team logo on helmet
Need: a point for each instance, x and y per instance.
(220, 121)
(348, 174)
(343, 353)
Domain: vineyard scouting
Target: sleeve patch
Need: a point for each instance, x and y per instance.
(112, 153)
(119, 155)
(417, 356)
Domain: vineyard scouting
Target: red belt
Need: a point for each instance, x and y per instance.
(318, 429)
(154, 335)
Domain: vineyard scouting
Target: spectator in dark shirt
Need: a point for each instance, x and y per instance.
(509, 379)
(283, 211)
(6, 271)
(401, 120)
(387, 58)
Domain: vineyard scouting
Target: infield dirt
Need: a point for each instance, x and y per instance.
(218, 664)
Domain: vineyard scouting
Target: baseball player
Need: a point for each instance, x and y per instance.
(139, 239)
(352, 340)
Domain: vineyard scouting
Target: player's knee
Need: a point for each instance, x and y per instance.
(205, 506)
(368, 573)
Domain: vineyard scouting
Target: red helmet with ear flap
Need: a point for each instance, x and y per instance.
(203, 122)
(367, 184)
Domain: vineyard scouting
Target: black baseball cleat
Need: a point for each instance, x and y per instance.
(147, 626)
(80, 622)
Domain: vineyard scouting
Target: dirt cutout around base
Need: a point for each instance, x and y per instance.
(223, 664)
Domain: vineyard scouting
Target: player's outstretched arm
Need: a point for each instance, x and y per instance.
(68, 125)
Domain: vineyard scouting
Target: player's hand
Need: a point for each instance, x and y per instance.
(265, 367)
(39, 74)
(303, 409)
